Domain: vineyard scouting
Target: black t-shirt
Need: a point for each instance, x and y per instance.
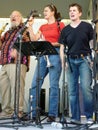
(77, 39)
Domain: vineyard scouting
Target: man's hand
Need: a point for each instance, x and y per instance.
(14, 53)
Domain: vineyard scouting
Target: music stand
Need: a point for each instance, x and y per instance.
(37, 48)
(33, 47)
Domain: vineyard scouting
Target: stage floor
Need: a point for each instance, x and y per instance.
(9, 124)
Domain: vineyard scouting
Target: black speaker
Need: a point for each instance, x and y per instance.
(66, 100)
(42, 100)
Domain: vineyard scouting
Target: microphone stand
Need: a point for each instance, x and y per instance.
(63, 119)
(95, 87)
(17, 81)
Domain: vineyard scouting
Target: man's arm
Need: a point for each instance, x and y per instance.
(62, 55)
(91, 43)
(0, 43)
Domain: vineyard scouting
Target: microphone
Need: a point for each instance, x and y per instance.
(94, 21)
(36, 15)
(59, 19)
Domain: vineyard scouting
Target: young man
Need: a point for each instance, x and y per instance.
(78, 38)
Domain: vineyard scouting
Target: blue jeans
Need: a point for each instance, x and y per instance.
(54, 76)
(80, 70)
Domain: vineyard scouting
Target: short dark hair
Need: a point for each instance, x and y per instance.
(77, 5)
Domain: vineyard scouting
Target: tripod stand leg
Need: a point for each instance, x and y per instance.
(35, 93)
(38, 121)
(16, 96)
(63, 121)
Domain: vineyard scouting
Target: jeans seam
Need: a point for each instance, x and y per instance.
(88, 63)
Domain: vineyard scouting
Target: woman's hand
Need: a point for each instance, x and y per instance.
(55, 44)
(30, 22)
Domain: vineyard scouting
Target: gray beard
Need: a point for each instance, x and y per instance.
(13, 25)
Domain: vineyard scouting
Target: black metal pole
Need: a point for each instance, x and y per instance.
(95, 89)
(63, 119)
(17, 80)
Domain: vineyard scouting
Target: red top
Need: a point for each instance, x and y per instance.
(51, 32)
